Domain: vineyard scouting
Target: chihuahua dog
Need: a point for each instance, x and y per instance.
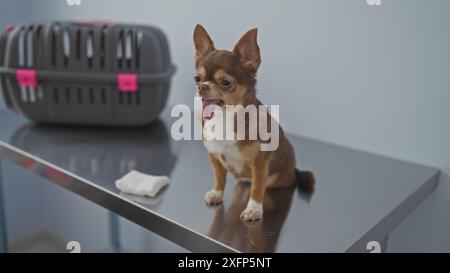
(228, 78)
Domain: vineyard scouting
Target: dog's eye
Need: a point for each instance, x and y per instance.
(225, 83)
(197, 79)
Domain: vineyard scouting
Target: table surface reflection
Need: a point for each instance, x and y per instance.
(359, 197)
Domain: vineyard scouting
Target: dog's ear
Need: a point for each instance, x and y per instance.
(248, 51)
(202, 41)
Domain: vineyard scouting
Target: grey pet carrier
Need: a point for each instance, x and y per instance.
(90, 73)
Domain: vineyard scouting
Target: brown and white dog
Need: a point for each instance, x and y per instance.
(228, 78)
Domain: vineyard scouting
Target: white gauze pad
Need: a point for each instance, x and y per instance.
(142, 184)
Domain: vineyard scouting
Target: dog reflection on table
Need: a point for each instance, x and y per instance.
(260, 236)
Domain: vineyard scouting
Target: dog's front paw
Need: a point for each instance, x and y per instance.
(213, 197)
(253, 212)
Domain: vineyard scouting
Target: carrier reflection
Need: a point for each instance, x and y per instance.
(96, 154)
(261, 236)
(103, 154)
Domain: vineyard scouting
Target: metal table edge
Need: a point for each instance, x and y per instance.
(382, 229)
(168, 229)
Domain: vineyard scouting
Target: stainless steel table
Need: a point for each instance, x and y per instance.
(360, 197)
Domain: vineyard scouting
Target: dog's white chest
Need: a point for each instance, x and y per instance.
(221, 146)
(229, 151)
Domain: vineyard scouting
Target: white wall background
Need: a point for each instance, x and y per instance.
(372, 78)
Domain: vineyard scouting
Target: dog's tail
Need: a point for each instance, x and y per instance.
(305, 180)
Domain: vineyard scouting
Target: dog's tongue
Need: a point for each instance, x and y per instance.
(209, 111)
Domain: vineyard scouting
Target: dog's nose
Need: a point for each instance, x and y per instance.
(203, 88)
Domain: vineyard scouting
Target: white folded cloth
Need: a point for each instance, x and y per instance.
(142, 184)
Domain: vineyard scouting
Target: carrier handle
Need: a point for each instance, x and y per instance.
(91, 77)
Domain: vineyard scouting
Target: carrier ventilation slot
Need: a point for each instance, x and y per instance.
(54, 35)
(90, 48)
(66, 47)
(138, 44)
(68, 95)
(27, 52)
(129, 98)
(121, 98)
(91, 96)
(37, 43)
(29, 47)
(119, 52)
(138, 98)
(103, 93)
(128, 49)
(40, 93)
(78, 44)
(126, 98)
(77, 95)
(55, 95)
(25, 47)
(80, 95)
(21, 48)
(102, 46)
(128, 53)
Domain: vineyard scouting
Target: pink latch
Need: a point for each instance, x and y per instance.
(26, 77)
(127, 82)
(10, 28)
